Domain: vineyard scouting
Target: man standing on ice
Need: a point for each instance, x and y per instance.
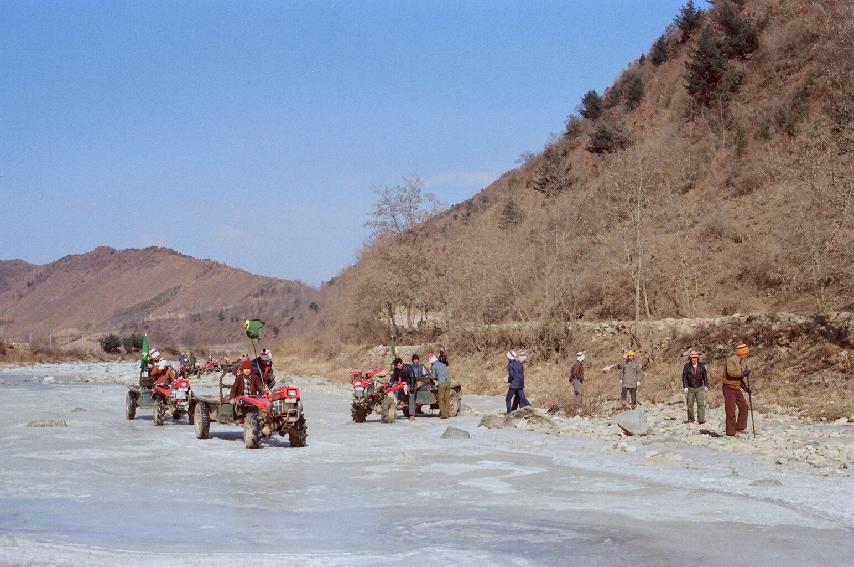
(695, 382)
(576, 374)
(733, 383)
(516, 379)
(630, 379)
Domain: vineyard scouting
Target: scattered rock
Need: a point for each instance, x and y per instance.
(493, 421)
(767, 481)
(632, 422)
(841, 421)
(624, 447)
(456, 433)
(77, 410)
(47, 423)
(48, 380)
(465, 410)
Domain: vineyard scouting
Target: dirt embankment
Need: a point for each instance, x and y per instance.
(800, 362)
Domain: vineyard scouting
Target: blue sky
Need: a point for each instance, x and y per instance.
(253, 133)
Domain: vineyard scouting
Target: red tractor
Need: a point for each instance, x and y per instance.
(171, 399)
(371, 395)
(279, 411)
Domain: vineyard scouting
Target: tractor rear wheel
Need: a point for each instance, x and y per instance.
(251, 431)
(299, 433)
(453, 403)
(130, 405)
(202, 420)
(159, 412)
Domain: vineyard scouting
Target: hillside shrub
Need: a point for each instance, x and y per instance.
(110, 343)
(787, 116)
(574, 126)
(591, 105)
(607, 138)
(660, 51)
(511, 215)
(613, 96)
(554, 174)
(708, 74)
(132, 343)
(634, 91)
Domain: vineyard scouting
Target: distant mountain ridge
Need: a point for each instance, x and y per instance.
(177, 299)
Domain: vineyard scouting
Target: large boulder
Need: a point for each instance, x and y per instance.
(456, 433)
(493, 421)
(632, 422)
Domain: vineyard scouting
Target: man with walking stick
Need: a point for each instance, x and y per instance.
(734, 382)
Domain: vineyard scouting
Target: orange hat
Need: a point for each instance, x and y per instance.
(246, 365)
(741, 349)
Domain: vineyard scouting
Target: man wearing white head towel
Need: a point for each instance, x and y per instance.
(576, 375)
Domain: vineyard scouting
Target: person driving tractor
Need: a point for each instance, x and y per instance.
(163, 374)
(247, 383)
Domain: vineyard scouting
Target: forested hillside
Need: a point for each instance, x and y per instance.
(713, 177)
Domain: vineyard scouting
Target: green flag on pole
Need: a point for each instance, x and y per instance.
(143, 354)
(253, 327)
(393, 350)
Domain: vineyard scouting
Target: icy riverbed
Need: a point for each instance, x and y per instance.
(102, 490)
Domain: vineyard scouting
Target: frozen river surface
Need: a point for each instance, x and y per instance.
(103, 490)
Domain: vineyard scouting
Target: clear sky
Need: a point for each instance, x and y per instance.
(253, 132)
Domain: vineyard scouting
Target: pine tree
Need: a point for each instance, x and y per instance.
(591, 105)
(660, 51)
(689, 18)
(709, 76)
(741, 36)
(634, 91)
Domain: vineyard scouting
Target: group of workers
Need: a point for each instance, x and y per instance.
(416, 376)
(695, 383)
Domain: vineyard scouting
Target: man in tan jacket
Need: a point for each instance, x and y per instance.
(733, 383)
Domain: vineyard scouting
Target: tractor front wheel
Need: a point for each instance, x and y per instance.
(202, 420)
(359, 413)
(159, 412)
(251, 431)
(130, 405)
(299, 433)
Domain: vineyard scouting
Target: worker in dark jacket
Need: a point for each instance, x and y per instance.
(402, 374)
(695, 382)
(247, 383)
(516, 379)
(421, 381)
(576, 373)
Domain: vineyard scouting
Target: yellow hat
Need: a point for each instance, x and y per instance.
(630, 353)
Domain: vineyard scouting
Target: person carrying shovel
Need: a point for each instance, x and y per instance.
(733, 384)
